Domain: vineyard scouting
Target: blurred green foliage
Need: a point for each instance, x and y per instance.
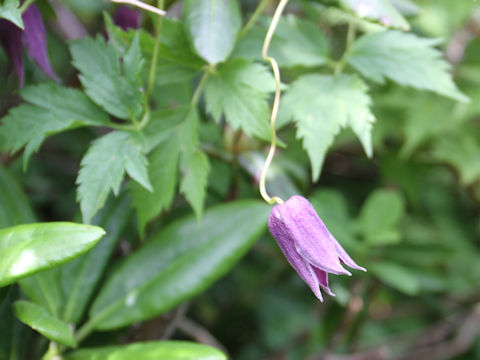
(194, 138)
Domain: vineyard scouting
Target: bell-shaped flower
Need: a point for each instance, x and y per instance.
(33, 38)
(126, 18)
(307, 244)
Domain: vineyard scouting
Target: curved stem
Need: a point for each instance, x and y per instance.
(276, 103)
(141, 5)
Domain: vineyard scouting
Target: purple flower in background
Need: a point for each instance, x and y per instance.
(33, 38)
(307, 244)
(126, 18)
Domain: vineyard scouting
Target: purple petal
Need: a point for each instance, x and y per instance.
(287, 245)
(11, 40)
(126, 18)
(35, 39)
(342, 254)
(312, 239)
(322, 277)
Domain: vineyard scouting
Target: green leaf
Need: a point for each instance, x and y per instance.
(45, 290)
(52, 109)
(193, 184)
(396, 276)
(80, 277)
(163, 175)
(103, 168)
(379, 10)
(10, 10)
(240, 90)
(212, 27)
(321, 105)
(14, 206)
(27, 249)
(40, 320)
(333, 210)
(406, 59)
(296, 42)
(176, 61)
(154, 350)
(461, 150)
(178, 263)
(113, 84)
(380, 214)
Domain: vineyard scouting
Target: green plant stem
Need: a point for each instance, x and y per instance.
(25, 5)
(351, 32)
(203, 81)
(253, 19)
(153, 66)
(276, 103)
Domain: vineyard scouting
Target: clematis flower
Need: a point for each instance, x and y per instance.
(126, 18)
(33, 37)
(307, 244)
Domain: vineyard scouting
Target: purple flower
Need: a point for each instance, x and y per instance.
(126, 18)
(307, 244)
(33, 37)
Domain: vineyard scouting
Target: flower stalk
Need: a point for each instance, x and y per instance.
(276, 103)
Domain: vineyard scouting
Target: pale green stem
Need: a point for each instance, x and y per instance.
(253, 19)
(153, 66)
(25, 5)
(351, 32)
(203, 81)
(141, 5)
(276, 103)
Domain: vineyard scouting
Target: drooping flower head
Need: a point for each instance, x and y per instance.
(126, 18)
(307, 244)
(33, 38)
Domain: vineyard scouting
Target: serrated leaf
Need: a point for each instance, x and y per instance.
(52, 109)
(154, 350)
(296, 42)
(27, 249)
(321, 105)
(40, 320)
(379, 10)
(110, 82)
(10, 10)
(178, 263)
(103, 167)
(212, 27)
(380, 214)
(79, 278)
(14, 206)
(406, 59)
(240, 89)
(193, 184)
(163, 175)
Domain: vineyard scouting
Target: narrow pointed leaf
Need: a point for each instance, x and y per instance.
(171, 350)
(40, 320)
(27, 249)
(178, 263)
